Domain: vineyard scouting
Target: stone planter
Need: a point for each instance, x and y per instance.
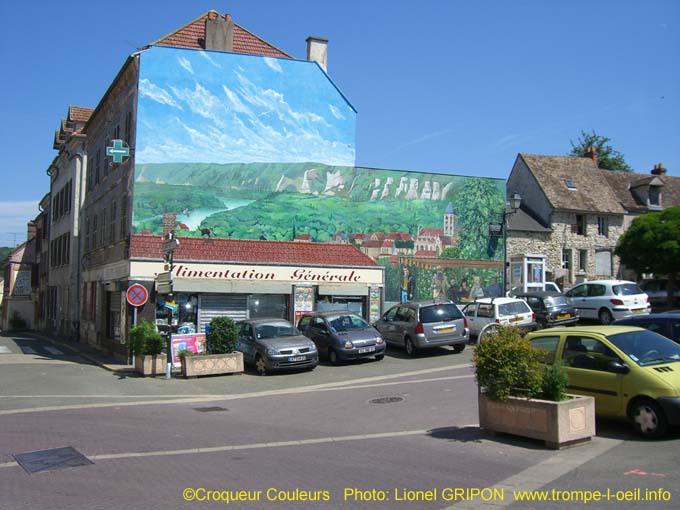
(150, 366)
(212, 364)
(558, 424)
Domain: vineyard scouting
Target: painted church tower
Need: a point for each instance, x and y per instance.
(449, 221)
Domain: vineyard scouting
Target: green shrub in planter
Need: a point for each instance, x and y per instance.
(145, 340)
(555, 382)
(506, 364)
(223, 336)
(184, 353)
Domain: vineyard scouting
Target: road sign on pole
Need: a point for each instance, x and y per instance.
(137, 294)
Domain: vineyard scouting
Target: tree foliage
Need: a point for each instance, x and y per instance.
(652, 244)
(607, 157)
(223, 335)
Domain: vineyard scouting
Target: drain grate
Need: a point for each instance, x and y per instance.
(209, 409)
(386, 400)
(51, 460)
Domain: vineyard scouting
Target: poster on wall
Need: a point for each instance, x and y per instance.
(22, 284)
(304, 300)
(194, 343)
(374, 304)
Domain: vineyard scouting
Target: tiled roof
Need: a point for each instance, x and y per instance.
(79, 113)
(431, 232)
(592, 191)
(426, 254)
(192, 35)
(260, 252)
(622, 182)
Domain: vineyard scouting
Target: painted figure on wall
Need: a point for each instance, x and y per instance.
(408, 285)
(493, 289)
(440, 285)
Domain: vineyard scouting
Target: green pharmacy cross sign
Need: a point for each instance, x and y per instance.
(118, 151)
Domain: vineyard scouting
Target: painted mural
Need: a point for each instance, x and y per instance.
(260, 148)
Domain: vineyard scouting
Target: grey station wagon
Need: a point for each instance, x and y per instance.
(419, 325)
(342, 336)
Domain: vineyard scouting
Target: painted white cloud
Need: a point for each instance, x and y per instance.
(156, 93)
(336, 113)
(205, 55)
(273, 64)
(185, 64)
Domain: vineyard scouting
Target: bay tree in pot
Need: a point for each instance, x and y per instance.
(221, 357)
(148, 346)
(519, 394)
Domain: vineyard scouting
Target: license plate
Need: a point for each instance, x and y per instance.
(563, 316)
(515, 319)
(297, 358)
(366, 349)
(638, 310)
(445, 330)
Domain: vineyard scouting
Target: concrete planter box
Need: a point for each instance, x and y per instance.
(212, 364)
(558, 424)
(150, 366)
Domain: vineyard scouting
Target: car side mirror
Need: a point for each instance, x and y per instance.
(618, 367)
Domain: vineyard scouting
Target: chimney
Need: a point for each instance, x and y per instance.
(31, 230)
(317, 51)
(169, 224)
(591, 153)
(659, 169)
(219, 32)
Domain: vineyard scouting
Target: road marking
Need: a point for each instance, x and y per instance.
(543, 473)
(335, 386)
(254, 446)
(52, 350)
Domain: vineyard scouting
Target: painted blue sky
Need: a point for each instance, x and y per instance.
(447, 86)
(208, 107)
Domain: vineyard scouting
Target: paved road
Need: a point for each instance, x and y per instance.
(383, 428)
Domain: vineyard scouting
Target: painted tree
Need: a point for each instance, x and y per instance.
(607, 157)
(652, 245)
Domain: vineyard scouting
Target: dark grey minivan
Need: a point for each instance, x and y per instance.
(342, 335)
(419, 325)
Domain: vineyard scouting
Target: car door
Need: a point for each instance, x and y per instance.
(579, 296)
(246, 342)
(319, 334)
(388, 327)
(470, 312)
(586, 360)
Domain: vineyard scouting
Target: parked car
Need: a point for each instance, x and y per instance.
(551, 308)
(631, 372)
(275, 344)
(607, 300)
(419, 325)
(666, 324)
(498, 311)
(342, 336)
(549, 287)
(658, 293)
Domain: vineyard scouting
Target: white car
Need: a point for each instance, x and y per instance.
(549, 286)
(501, 311)
(607, 300)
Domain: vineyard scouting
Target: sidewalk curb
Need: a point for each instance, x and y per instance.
(83, 355)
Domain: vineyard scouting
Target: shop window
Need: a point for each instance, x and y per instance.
(268, 305)
(177, 314)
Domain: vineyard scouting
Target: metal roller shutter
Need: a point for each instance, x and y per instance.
(221, 305)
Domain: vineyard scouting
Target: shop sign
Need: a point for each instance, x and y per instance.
(304, 300)
(194, 343)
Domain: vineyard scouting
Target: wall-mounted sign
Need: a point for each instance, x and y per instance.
(118, 151)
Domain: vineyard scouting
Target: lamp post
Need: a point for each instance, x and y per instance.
(514, 203)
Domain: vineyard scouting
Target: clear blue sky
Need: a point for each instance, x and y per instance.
(440, 86)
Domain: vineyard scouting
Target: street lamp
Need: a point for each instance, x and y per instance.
(514, 203)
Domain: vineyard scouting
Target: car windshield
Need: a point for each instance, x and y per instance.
(275, 330)
(440, 313)
(513, 308)
(347, 322)
(626, 289)
(555, 301)
(646, 348)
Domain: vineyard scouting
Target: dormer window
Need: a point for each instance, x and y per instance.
(570, 184)
(655, 195)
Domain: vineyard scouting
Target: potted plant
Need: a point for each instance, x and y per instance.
(147, 345)
(221, 357)
(520, 395)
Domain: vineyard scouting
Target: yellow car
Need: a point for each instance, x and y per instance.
(633, 373)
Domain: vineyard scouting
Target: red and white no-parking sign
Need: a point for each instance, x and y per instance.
(137, 294)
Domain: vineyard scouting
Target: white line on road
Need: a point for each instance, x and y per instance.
(338, 386)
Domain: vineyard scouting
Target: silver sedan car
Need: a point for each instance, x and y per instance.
(275, 344)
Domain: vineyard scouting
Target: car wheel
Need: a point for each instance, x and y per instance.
(410, 348)
(260, 365)
(648, 418)
(486, 331)
(378, 357)
(333, 357)
(458, 348)
(605, 316)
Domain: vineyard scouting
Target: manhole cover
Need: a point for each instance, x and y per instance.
(51, 460)
(385, 400)
(209, 409)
